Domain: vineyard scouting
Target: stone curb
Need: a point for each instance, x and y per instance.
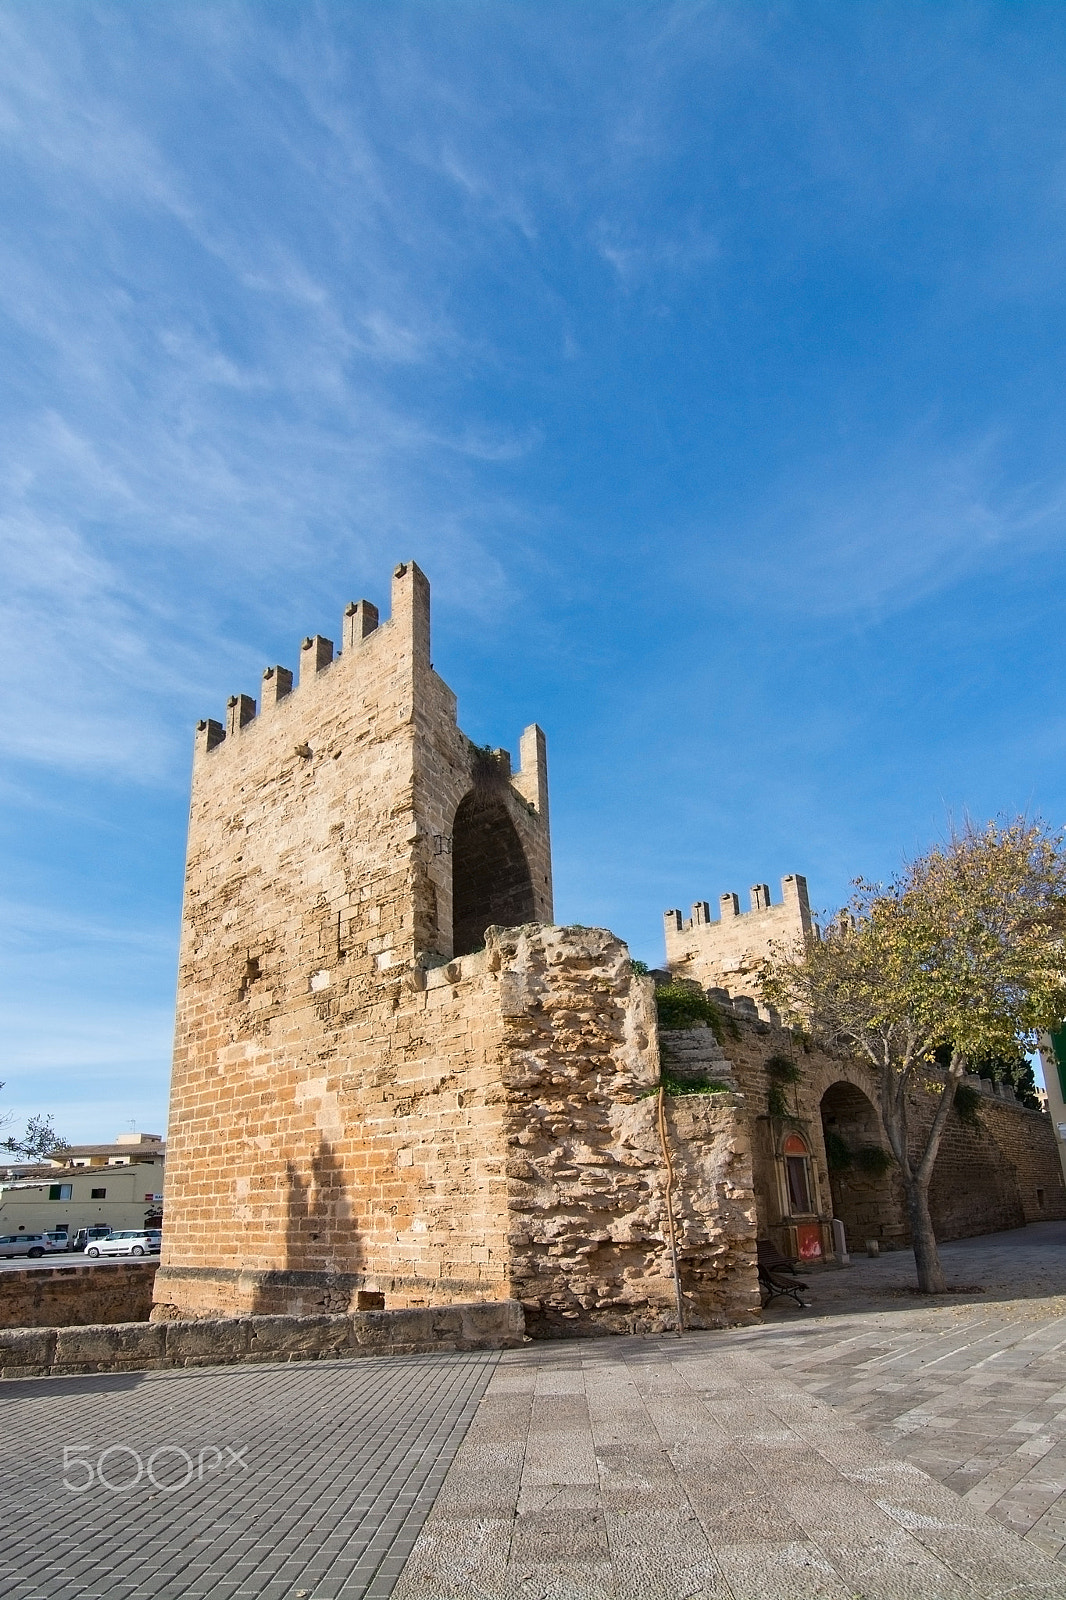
(223, 1341)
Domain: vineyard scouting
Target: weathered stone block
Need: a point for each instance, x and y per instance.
(26, 1352)
(109, 1347)
(207, 1340)
(296, 1338)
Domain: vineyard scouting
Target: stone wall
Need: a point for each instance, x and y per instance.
(72, 1295)
(131, 1347)
(336, 1116)
(504, 1142)
(589, 1242)
(726, 951)
(374, 1088)
(1002, 1175)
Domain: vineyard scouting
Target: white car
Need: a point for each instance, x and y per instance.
(33, 1245)
(134, 1243)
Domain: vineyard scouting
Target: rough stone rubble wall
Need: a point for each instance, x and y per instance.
(70, 1296)
(586, 1174)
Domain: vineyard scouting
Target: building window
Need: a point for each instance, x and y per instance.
(1040, 1198)
(797, 1176)
(59, 1191)
(97, 1194)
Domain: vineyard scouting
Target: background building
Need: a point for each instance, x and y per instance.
(120, 1185)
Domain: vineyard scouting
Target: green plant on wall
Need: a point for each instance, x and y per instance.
(872, 1160)
(967, 1107)
(776, 1103)
(682, 1086)
(680, 1007)
(781, 1071)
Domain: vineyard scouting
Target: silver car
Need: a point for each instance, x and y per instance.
(133, 1242)
(33, 1245)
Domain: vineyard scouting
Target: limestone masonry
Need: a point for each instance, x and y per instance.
(726, 954)
(391, 1073)
(394, 1077)
(819, 1151)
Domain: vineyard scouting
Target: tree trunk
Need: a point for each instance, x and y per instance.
(931, 1278)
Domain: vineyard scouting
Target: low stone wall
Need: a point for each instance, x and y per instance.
(149, 1346)
(76, 1294)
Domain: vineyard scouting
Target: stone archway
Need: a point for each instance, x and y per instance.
(491, 880)
(862, 1176)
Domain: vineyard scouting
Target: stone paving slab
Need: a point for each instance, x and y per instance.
(668, 1469)
(304, 1479)
(970, 1387)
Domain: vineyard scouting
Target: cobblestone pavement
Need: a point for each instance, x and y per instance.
(304, 1479)
(971, 1387)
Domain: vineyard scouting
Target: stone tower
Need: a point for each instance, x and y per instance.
(727, 953)
(390, 1072)
(346, 834)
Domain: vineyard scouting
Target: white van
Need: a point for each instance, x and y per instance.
(131, 1243)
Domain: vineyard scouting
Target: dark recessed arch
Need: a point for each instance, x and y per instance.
(863, 1190)
(491, 881)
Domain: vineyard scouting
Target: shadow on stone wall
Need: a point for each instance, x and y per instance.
(324, 1256)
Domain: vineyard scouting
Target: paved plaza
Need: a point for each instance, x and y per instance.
(310, 1479)
(879, 1444)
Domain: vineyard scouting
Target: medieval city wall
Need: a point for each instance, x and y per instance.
(1001, 1175)
(725, 952)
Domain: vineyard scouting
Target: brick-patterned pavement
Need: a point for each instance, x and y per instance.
(324, 1474)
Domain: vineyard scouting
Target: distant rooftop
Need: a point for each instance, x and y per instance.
(127, 1147)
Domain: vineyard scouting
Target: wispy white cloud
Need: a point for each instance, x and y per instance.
(889, 532)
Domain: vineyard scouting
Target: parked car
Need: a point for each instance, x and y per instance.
(87, 1236)
(125, 1243)
(58, 1238)
(33, 1245)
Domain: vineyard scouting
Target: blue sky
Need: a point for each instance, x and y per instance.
(708, 357)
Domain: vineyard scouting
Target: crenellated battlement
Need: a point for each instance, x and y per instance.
(719, 952)
(406, 631)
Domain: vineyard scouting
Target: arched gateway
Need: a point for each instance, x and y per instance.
(491, 880)
(862, 1176)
